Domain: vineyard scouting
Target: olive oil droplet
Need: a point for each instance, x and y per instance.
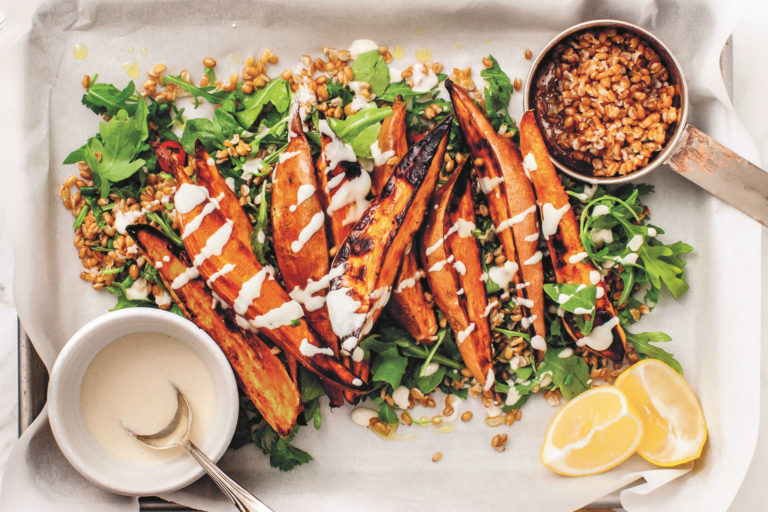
(423, 54)
(80, 51)
(131, 69)
(144, 52)
(398, 52)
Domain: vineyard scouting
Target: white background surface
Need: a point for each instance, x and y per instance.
(750, 78)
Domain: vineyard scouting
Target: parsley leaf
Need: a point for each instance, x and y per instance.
(370, 67)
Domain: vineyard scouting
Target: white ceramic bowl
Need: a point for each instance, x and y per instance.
(75, 440)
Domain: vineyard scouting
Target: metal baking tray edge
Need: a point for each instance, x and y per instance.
(33, 376)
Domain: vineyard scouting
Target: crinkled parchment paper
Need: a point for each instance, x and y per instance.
(714, 326)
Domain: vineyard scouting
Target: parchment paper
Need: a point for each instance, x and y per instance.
(714, 326)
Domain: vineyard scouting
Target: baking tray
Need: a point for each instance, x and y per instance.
(33, 376)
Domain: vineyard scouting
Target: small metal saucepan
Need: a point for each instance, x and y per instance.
(688, 151)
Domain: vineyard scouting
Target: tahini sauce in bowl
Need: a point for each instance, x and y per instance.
(130, 383)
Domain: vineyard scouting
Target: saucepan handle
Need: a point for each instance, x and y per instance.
(722, 173)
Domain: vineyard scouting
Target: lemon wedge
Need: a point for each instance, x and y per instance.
(592, 433)
(675, 430)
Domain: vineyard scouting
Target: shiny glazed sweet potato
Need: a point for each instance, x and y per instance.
(259, 372)
(407, 304)
(343, 185)
(511, 202)
(371, 253)
(298, 230)
(235, 275)
(451, 256)
(561, 231)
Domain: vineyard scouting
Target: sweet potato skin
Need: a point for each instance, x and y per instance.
(372, 251)
(406, 304)
(277, 316)
(260, 373)
(564, 242)
(511, 202)
(454, 271)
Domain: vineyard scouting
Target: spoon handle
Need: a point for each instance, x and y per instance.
(242, 499)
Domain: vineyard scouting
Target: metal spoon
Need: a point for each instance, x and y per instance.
(176, 433)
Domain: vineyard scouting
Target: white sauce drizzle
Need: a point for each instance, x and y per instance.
(489, 380)
(342, 313)
(380, 157)
(310, 350)
(565, 353)
(215, 244)
(410, 282)
(504, 274)
(400, 397)
(229, 267)
(652, 231)
(184, 278)
(594, 277)
(462, 335)
(488, 184)
(314, 225)
(533, 237)
(516, 219)
(576, 258)
(526, 322)
(635, 243)
(138, 290)
(188, 196)
(195, 223)
(305, 296)
(440, 265)
(550, 218)
(601, 336)
(423, 77)
(280, 316)
(352, 191)
(460, 268)
(123, 219)
(287, 155)
(533, 260)
(251, 290)
(601, 237)
(539, 343)
(600, 210)
(336, 151)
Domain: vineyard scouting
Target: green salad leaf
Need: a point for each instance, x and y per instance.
(642, 343)
(208, 93)
(360, 130)
(498, 94)
(108, 100)
(275, 92)
(370, 67)
(569, 374)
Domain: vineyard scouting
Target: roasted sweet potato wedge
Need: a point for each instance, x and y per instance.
(235, 275)
(392, 142)
(512, 205)
(561, 231)
(407, 304)
(452, 258)
(260, 373)
(298, 229)
(372, 251)
(209, 177)
(344, 186)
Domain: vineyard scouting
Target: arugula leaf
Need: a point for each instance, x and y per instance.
(430, 382)
(642, 343)
(225, 125)
(498, 94)
(275, 92)
(389, 370)
(122, 137)
(361, 129)
(202, 129)
(208, 93)
(370, 67)
(108, 100)
(576, 298)
(569, 374)
(396, 89)
(387, 414)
